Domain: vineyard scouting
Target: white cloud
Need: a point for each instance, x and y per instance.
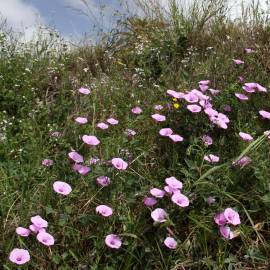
(21, 17)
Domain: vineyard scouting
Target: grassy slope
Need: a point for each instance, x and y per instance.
(39, 95)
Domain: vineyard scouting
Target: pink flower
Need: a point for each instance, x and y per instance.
(232, 216)
(136, 110)
(159, 117)
(175, 94)
(170, 243)
(241, 96)
(81, 120)
(176, 138)
(103, 180)
(104, 210)
(39, 222)
(62, 187)
(207, 140)
(210, 112)
(90, 140)
(242, 162)
(194, 108)
(112, 121)
(159, 215)
(23, 231)
(203, 87)
(174, 183)
(260, 88)
(180, 199)
(250, 87)
(149, 201)
(158, 193)
(245, 136)
(227, 108)
(81, 169)
(84, 91)
(130, 132)
(166, 132)
(204, 82)
(47, 162)
(36, 229)
(76, 157)
(226, 232)
(45, 238)
(211, 158)
(19, 256)
(170, 190)
(191, 98)
(93, 161)
(238, 61)
(220, 219)
(158, 107)
(249, 50)
(265, 114)
(102, 125)
(119, 164)
(113, 241)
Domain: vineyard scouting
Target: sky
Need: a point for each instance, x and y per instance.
(66, 16)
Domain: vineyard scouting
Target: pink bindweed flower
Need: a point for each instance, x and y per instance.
(211, 158)
(113, 241)
(194, 108)
(149, 201)
(211, 112)
(191, 98)
(130, 132)
(241, 96)
(170, 190)
(175, 94)
(136, 110)
(158, 107)
(93, 161)
(45, 238)
(90, 140)
(180, 199)
(174, 183)
(242, 162)
(238, 61)
(170, 243)
(112, 121)
(220, 219)
(159, 215)
(265, 114)
(204, 82)
(176, 138)
(81, 120)
(119, 164)
(103, 180)
(36, 229)
(207, 140)
(104, 210)
(245, 136)
(232, 217)
(62, 188)
(81, 169)
(39, 222)
(260, 88)
(250, 87)
(158, 193)
(47, 162)
(159, 117)
(226, 232)
(102, 125)
(249, 50)
(203, 87)
(23, 231)
(19, 256)
(166, 132)
(84, 91)
(76, 157)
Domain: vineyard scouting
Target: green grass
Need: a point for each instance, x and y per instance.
(39, 96)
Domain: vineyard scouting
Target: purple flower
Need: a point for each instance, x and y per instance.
(45, 238)
(159, 215)
(180, 199)
(23, 231)
(19, 256)
(170, 243)
(113, 241)
(103, 180)
(149, 201)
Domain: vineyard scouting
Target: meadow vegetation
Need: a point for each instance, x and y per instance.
(209, 140)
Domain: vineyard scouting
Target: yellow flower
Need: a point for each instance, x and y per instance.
(176, 105)
(174, 99)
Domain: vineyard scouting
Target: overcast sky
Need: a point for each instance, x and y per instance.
(64, 15)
